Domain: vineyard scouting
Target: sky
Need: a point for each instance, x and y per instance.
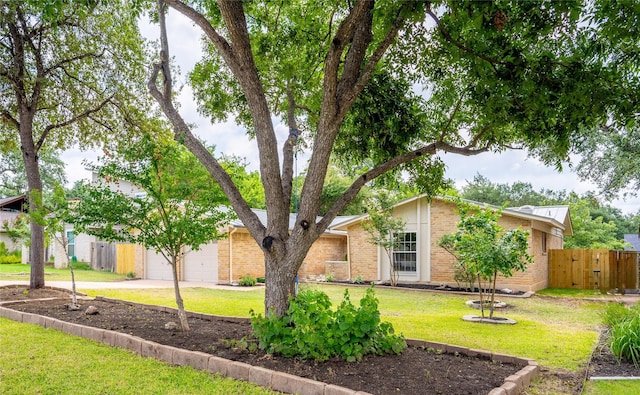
(229, 138)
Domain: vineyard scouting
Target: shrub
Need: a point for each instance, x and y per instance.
(80, 265)
(260, 280)
(247, 281)
(8, 257)
(312, 330)
(329, 277)
(131, 275)
(358, 280)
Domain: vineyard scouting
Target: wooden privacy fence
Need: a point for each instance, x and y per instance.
(125, 258)
(593, 269)
(119, 258)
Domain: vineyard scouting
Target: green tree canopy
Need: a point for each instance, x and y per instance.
(595, 224)
(484, 248)
(497, 74)
(171, 206)
(69, 73)
(13, 177)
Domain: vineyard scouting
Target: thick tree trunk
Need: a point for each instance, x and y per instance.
(182, 315)
(280, 284)
(34, 194)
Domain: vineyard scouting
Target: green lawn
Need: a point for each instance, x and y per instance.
(35, 360)
(564, 331)
(15, 272)
(558, 332)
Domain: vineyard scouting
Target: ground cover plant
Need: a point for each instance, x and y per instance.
(624, 331)
(72, 365)
(311, 329)
(16, 272)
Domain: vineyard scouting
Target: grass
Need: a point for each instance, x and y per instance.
(564, 333)
(558, 331)
(16, 272)
(572, 293)
(609, 387)
(35, 360)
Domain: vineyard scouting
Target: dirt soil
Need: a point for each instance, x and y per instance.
(415, 371)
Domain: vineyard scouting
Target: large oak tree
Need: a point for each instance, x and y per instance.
(499, 75)
(66, 71)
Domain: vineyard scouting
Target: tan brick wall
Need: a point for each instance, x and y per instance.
(363, 256)
(326, 248)
(248, 258)
(444, 218)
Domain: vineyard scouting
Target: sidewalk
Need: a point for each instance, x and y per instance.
(131, 284)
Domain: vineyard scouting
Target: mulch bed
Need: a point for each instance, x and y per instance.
(415, 371)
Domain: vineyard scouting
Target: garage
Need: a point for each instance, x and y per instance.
(157, 267)
(202, 265)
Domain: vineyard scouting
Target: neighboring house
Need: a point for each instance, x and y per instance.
(10, 210)
(423, 261)
(344, 252)
(86, 248)
(229, 259)
(634, 240)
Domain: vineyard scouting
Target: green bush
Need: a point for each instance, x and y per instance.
(8, 257)
(247, 281)
(261, 280)
(312, 330)
(80, 265)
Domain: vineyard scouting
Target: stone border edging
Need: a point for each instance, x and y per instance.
(278, 381)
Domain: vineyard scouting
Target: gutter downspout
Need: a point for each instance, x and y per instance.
(349, 256)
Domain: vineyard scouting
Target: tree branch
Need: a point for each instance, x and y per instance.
(289, 147)
(184, 135)
(382, 168)
(447, 36)
(369, 68)
(70, 121)
(239, 57)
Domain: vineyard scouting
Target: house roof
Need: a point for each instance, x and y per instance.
(559, 214)
(634, 240)
(262, 216)
(13, 203)
(556, 215)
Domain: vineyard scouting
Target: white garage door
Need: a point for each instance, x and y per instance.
(202, 265)
(157, 267)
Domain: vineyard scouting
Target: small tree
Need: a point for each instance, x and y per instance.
(57, 213)
(178, 206)
(485, 249)
(384, 230)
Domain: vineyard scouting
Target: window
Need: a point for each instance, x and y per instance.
(71, 244)
(544, 243)
(405, 256)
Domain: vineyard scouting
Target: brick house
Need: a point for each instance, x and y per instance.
(427, 221)
(239, 254)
